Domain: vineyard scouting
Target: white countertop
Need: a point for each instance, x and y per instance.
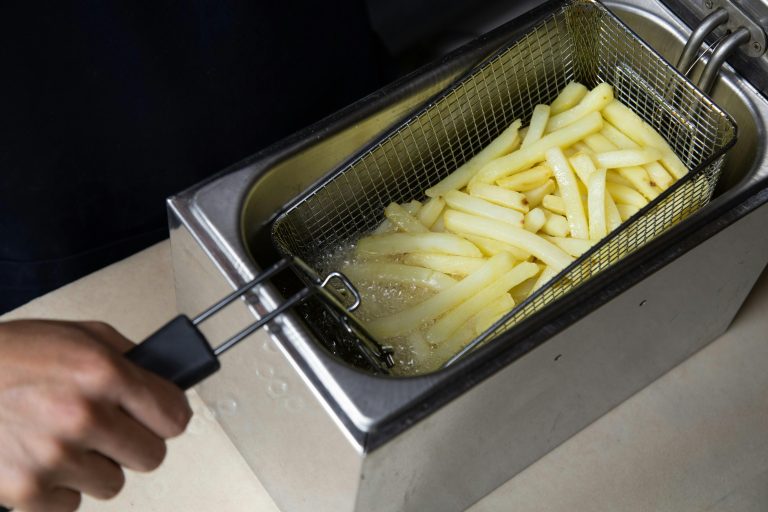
(696, 439)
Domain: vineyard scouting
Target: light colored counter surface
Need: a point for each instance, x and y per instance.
(696, 439)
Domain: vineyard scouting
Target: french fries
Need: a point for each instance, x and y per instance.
(510, 219)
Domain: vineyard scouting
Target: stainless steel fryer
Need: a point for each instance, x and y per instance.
(580, 41)
(323, 436)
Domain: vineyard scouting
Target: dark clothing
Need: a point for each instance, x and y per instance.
(108, 107)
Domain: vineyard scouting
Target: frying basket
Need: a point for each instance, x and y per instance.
(580, 41)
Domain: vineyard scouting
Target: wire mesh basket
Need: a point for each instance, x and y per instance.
(580, 41)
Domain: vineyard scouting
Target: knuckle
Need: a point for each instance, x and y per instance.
(78, 416)
(53, 453)
(26, 487)
(98, 370)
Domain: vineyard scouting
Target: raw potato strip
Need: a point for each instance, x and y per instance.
(429, 213)
(627, 157)
(489, 316)
(547, 252)
(536, 195)
(499, 195)
(594, 101)
(507, 141)
(583, 166)
(556, 225)
(633, 126)
(527, 180)
(554, 204)
(404, 221)
(659, 176)
(476, 206)
(410, 319)
(626, 195)
(526, 157)
(400, 243)
(398, 273)
(569, 97)
(535, 220)
(596, 205)
(546, 276)
(627, 210)
(491, 247)
(570, 193)
(636, 176)
(538, 124)
(443, 263)
(455, 318)
(573, 246)
(612, 216)
(387, 227)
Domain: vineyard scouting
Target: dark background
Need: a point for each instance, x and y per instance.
(109, 107)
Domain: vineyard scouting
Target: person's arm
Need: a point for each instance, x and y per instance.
(74, 413)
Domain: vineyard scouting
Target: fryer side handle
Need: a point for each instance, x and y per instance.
(177, 352)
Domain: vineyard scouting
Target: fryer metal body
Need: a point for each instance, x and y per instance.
(441, 442)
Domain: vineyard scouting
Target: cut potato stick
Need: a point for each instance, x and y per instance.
(384, 227)
(627, 157)
(401, 243)
(536, 195)
(659, 175)
(596, 205)
(499, 195)
(535, 220)
(409, 319)
(627, 210)
(583, 166)
(547, 252)
(634, 176)
(573, 246)
(491, 247)
(444, 263)
(594, 101)
(476, 206)
(439, 225)
(569, 190)
(626, 195)
(526, 157)
(493, 313)
(538, 124)
(430, 211)
(507, 141)
(456, 317)
(402, 220)
(398, 273)
(640, 180)
(633, 126)
(569, 97)
(612, 216)
(556, 225)
(545, 277)
(554, 204)
(613, 176)
(527, 180)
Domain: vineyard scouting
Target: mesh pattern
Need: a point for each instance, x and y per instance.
(580, 41)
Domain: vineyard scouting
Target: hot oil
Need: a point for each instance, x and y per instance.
(413, 354)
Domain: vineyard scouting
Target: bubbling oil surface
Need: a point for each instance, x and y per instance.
(413, 354)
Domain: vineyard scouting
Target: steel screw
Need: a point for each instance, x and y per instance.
(708, 4)
(757, 46)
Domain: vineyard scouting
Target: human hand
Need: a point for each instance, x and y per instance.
(74, 412)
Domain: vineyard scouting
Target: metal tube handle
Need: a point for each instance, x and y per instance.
(724, 49)
(707, 25)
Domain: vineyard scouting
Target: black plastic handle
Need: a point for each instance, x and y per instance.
(177, 352)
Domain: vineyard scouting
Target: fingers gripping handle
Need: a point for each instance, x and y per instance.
(177, 352)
